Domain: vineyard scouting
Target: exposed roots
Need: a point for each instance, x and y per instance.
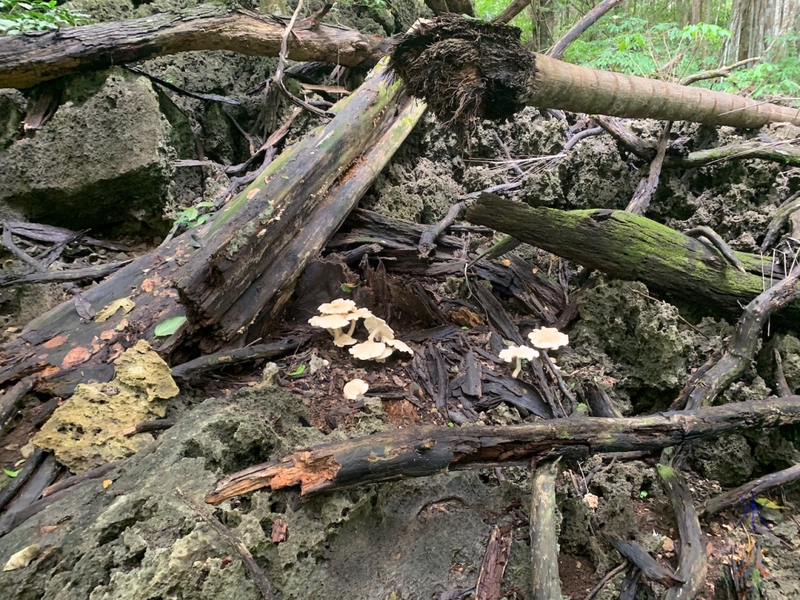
(465, 69)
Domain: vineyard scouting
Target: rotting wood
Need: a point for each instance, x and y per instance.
(693, 559)
(490, 576)
(648, 565)
(648, 185)
(424, 451)
(28, 470)
(293, 194)
(779, 219)
(219, 360)
(631, 247)
(745, 493)
(11, 399)
(26, 60)
(706, 384)
(544, 539)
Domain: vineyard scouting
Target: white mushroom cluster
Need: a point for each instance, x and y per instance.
(340, 313)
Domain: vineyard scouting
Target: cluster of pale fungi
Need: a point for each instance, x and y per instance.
(546, 338)
(380, 344)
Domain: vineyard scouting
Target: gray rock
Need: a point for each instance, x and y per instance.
(104, 157)
(136, 540)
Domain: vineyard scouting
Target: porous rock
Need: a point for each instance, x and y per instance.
(104, 157)
(137, 540)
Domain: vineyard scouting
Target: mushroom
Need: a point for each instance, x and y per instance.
(339, 306)
(345, 339)
(368, 350)
(398, 345)
(519, 353)
(354, 316)
(355, 389)
(378, 329)
(333, 323)
(548, 338)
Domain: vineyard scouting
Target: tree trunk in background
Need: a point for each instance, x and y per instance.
(754, 24)
(697, 12)
(543, 23)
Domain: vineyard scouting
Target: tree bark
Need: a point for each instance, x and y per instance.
(26, 60)
(428, 450)
(628, 246)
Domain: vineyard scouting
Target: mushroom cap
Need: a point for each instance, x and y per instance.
(368, 350)
(329, 321)
(398, 345)
(386, 354)
(354, 389)
(515, 352)
(337, 307)
(378, 328)
(548, 338)
(344, 340)
(359, 313)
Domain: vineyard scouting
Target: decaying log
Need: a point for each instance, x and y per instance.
(424, 451)
(631, 247)
(706, 384)
(467, 70)
(693, 560)
(28, 59)
(745, 493)
(544, 537)
(648, 565)
(490, 576)
(231, 262)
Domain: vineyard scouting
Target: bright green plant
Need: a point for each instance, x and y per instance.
(192, 217)
(36, 15)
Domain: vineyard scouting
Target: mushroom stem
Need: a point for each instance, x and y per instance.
(352, 329)
(518, 368)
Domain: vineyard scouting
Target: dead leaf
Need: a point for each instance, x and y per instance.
(122, 325)
(147, 285)
(115, 351)
(108, 335)
(280, 531)
(668, 545)
(55, 342)
(74, 357)
(252, 193)
(126, 304)
(106, 483)
(82, 306)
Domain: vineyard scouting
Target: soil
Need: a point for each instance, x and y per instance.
(426, 538)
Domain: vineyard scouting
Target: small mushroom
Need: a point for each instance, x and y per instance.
(368, 350)
(548, 338)
(378, 329)
(344, 340)
(519, 353)
(354, 316)
(398, 345)
(355, 389)
(337, 307)
(333, 323)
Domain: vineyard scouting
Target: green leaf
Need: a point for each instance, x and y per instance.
(767, 503)
(169, 326)
(19, 462)
(347, 288)
(299, 370)
(12, 473)
(204, 204)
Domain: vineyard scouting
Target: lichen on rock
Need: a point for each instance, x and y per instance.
(87, 431)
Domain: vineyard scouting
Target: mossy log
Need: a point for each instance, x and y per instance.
(26, 60)
(428, 450)
(632, 247)
(253, 242)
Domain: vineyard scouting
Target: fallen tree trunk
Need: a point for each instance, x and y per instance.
(255, 234)
(628, 246)
(424, 451)
(467, 70)
(26, 60)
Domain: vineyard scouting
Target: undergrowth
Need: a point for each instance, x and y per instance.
(37, 15)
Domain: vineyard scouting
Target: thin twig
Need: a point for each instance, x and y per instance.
(259, 578)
